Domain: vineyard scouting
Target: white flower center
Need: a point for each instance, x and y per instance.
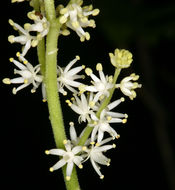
(100, 86)
(68, 156)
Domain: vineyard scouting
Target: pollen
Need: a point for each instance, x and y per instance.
(6, 81)
(124, 120)
(99, 67)
(51, 169)
(65, 141)
(95, 12)
(68, 178)
(47, 152)
(11, 59)
(80, 166)
(102, 177)
(88, 71)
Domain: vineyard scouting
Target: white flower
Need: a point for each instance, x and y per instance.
(74, 138)
(67, 77)
(95, 153)
(25, 38)
(76, 17)
(102, 124)
(128, 87)
(82, 106)
(69, 157)
(100, 85)
(29, 75)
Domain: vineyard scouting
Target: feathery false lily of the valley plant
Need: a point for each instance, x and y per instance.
(92, 102)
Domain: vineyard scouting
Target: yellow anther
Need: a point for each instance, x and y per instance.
(88, 71)
(99, 67)
(87, 36)
(118, 136)
(97, 144)
(63, 11)
(47, 152)
(94, 122)
(109, 118)
(51, 169)
(72, 98)
(11, 22)
(124, 120)
(27, 26)
(122, 99)
(80, 166)
(65, 141)
(92, 23)
(84, 148)
(6, 81)
(83, 66)
(91, 104)
(110, 79)
(68, 102)
(44, 100)
(82, 88)
(84, 19)
(11, 59)
(92, 143)
(25, 62)
(25, 81)
(68, 178)
(11, 39)
(18, 54)
(77, 57)
(34, 43)
(95, 12)
(102, 176)
(126, 115)
(114, 145)
(33, 91)
(65, 32)
(71, 123)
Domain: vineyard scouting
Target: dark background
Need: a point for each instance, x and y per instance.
(145, 156)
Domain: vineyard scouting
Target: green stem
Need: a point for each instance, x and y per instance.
(88, 129)
(53, 100)
(41, 55)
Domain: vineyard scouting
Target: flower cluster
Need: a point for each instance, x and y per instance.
(92, 102)
(76, 17)
(73, 154)
(90, 105)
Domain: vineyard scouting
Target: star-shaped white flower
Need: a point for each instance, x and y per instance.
(82, 106)
(29, 75)
(100, 85)
(69, 157)
(102, 124)
(96, 156)
(76, 18)
(67, 77)
(41, 26)
(128, 87)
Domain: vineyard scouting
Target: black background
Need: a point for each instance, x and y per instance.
(144, 157)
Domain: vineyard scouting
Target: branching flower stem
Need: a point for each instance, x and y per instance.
(103, 105)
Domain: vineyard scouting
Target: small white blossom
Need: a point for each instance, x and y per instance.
(41, 26)
(29, 75)
(128, 87)
(100, 85)
(102, 124)
(69, 157)
(82, 106)
(67, 77)
(76, 18)
(95, 153)
(74, 138)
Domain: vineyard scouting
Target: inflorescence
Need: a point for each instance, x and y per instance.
(86, 99)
